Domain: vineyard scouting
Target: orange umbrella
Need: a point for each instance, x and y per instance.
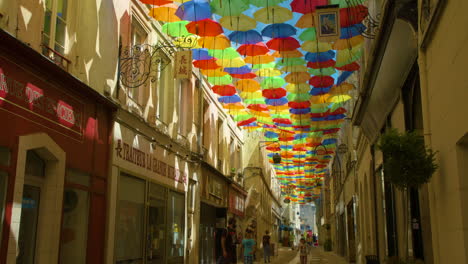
(247, 85)
(233, 106)
(348, 43)
(165, 13)
(297, 77)
(260, 59)
(217, 42)
(213, 72)
(288, 54)
(306, 21)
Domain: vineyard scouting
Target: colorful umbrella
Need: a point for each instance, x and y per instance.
(176, 29)
(273, 14)
(279, 31)
(301, 6)
(205, 28)
(229, 7)
(165, 13)
(283, 44)
(218, 42)
(245, 37)
(253, 49)
(156, 2)
(194, 10)
(238, 23)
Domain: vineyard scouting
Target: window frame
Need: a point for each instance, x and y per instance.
(52, 35)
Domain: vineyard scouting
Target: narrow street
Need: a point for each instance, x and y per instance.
(316, 256)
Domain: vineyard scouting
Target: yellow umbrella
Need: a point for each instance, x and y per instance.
(259, 59)
(297, 77)
(301, 117)
(306, 21)
(273, 14)
(213, 73)
(165, 13)
(259, 114)
(234, 106)
(342, 44)
(268, 72)
(251, 95)
(319, 99)
(295, 68)
(314, 46)
(341, 89)
(274, 109)
(340, 98)
(298, 88)
(231, 63)
(288, 54)
(247, 85)
(238, 23)
(217, 42)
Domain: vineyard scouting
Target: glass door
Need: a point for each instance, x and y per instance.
(156, 225)
(28, 225)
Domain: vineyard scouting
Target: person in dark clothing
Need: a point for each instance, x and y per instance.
(266, 247)
(228, 244)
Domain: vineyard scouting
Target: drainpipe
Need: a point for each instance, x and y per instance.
(374, 185)
(200, 114)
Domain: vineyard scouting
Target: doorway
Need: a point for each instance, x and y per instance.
(351, 235)
(30, 207)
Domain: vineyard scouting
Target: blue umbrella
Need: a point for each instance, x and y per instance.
(229, 99)
(200, 54)
(299, 111)
(319, 91)
(245, 37)
(319, 56)
(277, 102)
(239, 70)
(194, 10)
(352, 31)
(279, 31)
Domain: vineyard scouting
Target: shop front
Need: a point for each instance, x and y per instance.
(150, 199)
(54, 154)
(213, 212)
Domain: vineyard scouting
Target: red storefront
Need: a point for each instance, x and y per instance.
(54, 158)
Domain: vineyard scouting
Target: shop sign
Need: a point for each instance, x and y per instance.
(49, 104)
(183, 64)
(148, 161)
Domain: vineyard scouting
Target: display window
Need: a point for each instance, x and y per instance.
(150, 225)
(75, 217)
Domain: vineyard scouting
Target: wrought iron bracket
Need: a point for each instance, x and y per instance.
(140, 63)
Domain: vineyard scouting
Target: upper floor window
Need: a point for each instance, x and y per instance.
(55, 25)
(139, 36)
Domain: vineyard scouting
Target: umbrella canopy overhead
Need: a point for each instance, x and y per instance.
(272, 73)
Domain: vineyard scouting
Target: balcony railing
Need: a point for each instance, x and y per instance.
(55, 57)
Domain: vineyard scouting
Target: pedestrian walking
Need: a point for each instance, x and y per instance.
(227, 254)
(266, 247)
(248, 247)
(303, 251)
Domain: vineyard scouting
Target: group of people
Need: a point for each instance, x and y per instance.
(229, 239)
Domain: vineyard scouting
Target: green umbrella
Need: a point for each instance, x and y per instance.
(270, 65)
(308, 34)
(254, 101)
(344, 3)
(224, 80)
(290, 62)
(229, 7)
(322, 72)
(280, 116)
(272, 82)
(298, 97)
(264, 3)
(176, 29)
(228, 53)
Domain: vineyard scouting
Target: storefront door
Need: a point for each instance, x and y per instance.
(156, 219)
(28, 224)
(207, 234)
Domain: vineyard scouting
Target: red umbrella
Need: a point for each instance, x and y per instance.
(258, 107)
(323, 64)
(352, 15)
(299, 105)
(306, 6)
(224, 90)
(156, 2)
(274, 93)
(275, 148)
(253, 49)
(283, 44)
(286, 122)
(349, 67)
(206, 64)
(249, 75)
(321, 81)
(246, 122)
(205, 28)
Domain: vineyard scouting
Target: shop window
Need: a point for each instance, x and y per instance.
(156, 225)
(75, 217)
(185, 105)
(130, 220)
(176, 228)
(163, 86)
(55, 31)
